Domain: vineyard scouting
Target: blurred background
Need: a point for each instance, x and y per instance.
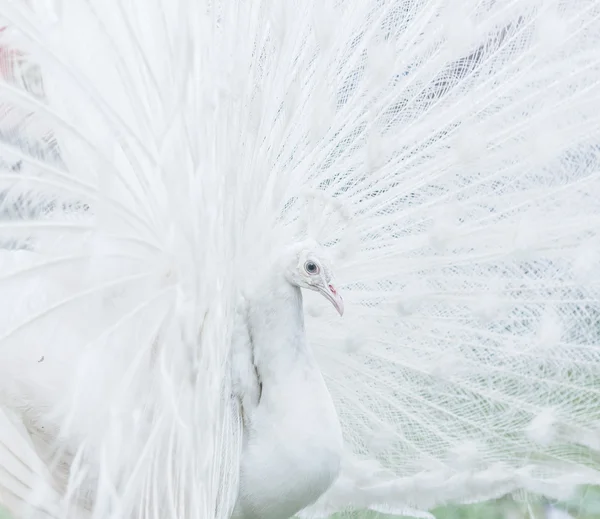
(585, 504)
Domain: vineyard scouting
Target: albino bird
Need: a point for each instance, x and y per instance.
(292, 437)
(169, 172)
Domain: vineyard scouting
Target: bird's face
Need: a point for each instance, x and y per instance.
(313, 271)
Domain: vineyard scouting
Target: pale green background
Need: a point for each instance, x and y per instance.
(586, 505)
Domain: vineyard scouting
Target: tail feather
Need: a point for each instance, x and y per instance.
(26, 486)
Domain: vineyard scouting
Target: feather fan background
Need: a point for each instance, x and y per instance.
(449, 154)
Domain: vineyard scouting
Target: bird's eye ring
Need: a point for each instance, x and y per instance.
(311, 267)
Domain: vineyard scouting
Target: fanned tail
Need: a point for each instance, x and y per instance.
(448, 153)
(114, 342)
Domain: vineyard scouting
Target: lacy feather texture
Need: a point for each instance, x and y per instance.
(439, 160)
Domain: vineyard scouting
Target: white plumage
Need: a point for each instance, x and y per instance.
(292, 437)
(157, 155)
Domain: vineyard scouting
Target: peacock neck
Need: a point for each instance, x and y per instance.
(277, 329)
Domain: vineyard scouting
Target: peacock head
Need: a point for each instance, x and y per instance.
(311, 268)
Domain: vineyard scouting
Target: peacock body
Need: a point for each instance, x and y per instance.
(157, 358)
(292, 438)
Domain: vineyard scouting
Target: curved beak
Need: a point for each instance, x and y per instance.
(330, 292)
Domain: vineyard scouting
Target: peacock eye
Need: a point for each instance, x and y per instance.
(311, 267)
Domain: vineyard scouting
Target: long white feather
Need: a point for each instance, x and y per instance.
(132, 336)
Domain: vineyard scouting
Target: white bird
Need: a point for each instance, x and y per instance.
(168, 167)
(292, 436)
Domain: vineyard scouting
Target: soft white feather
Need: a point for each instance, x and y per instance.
(125, 322)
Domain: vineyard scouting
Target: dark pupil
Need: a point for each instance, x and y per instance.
(311, 267)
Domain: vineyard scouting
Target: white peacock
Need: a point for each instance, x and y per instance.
(450, 153)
